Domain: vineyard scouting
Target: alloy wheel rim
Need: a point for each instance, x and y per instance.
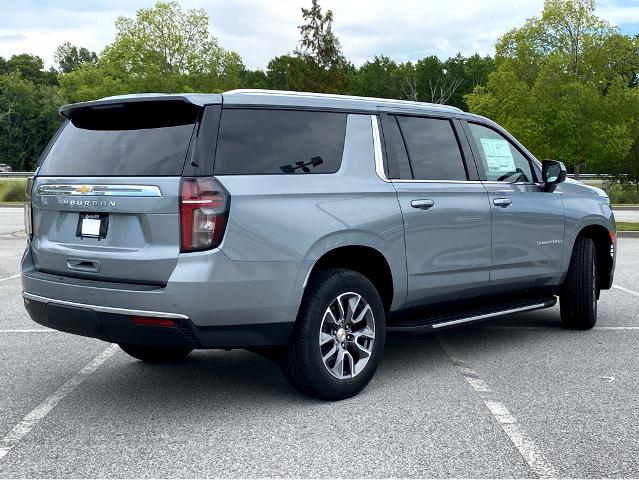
(347, 335)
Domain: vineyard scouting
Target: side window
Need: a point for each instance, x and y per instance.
(433, 149)
(253, 142)
(502, 161)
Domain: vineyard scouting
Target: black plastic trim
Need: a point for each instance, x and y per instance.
(118, 328)
(201, 155)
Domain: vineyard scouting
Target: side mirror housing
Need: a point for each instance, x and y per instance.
(552, 173)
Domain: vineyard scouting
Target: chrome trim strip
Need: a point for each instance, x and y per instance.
(404, 180)
(100, 190)
(490, 315)
(377, 149)
(100, 308)
(379, 164)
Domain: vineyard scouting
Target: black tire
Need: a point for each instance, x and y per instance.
(155, 354)
(302, 361)
(580, 290)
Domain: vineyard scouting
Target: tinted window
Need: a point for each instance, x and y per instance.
(398, 166)
(502, 161)
(123, 140)
(279, 141)
(433, 149)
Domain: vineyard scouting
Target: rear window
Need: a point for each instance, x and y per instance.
(137, 139)
(253, 142)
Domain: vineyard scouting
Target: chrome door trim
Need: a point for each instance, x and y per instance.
(377, 149)
(379, 164)
(115, 190)
(99, 308)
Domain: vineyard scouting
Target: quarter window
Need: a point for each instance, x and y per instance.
(432, 148)
(253, 142)
(502, 161)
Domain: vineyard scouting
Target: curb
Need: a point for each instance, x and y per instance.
(12, 205)
(628, 234)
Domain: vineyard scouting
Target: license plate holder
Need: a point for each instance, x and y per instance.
(92, 225)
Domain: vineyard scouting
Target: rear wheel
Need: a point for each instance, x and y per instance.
(338, 339)
(155, 354)
(580, 290)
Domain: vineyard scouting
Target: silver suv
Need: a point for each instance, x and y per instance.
(303, 226)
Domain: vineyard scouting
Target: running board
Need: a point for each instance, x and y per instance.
(446, 321)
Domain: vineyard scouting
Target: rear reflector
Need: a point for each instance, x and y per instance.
(153, 321)
(204, 205)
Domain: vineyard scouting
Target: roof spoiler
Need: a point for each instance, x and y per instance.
(198, 100)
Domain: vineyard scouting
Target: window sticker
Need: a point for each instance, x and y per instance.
(499, 158)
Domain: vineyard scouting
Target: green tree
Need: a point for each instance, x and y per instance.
(163, 49)
(286, 72)
(253, 79)
(28, 118)
(377, 78)
(325, 68)
(30, 67)
(562, 85)
(69, 57)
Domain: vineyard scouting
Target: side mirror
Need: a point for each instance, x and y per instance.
(552, 173)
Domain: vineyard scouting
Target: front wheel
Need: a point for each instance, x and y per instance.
(578, 296)
(338, 339)
(155, 354)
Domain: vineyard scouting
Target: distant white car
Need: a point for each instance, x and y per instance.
(5, 168)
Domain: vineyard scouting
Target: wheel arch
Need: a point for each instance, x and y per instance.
(604, 245)
(364, 259)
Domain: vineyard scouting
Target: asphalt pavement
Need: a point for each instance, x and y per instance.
(515, 397)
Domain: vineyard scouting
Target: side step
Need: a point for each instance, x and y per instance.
(441, 321)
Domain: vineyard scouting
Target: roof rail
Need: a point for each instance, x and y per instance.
(259, 91)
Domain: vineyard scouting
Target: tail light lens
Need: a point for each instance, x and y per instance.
(204, 207)
(153, 321)
(28, 218)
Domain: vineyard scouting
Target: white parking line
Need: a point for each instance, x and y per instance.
(508, 423)
(27, 330)
(9, 278)
(523, 327)
(626, 290)
(18, 432)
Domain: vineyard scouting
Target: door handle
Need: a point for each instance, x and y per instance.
(502, 202)
(422, 204)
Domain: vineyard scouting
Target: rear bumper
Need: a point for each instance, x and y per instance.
(115, 325)
(216, 302)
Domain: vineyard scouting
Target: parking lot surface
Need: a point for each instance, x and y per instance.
(515, 397)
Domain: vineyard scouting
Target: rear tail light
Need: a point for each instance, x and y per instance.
(28, 217)
(204, 207)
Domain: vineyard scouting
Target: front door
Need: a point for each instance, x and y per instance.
(527, 221)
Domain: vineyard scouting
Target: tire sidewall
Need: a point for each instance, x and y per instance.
(346, 281)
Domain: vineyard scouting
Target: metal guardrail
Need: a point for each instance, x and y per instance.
(593, 176)
(16, 174)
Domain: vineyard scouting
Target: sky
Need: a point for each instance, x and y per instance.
(262, 29)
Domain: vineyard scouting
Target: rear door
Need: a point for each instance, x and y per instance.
(445, 209)
(527, 221)
(105, 200)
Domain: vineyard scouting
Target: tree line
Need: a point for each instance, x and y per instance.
(566, 83)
